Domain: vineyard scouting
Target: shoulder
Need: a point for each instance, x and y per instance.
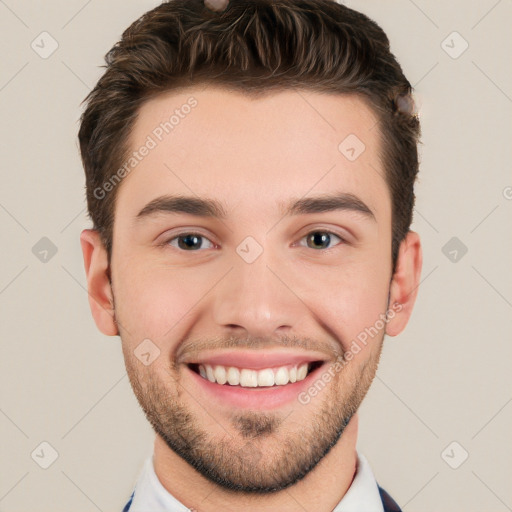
(389, 503)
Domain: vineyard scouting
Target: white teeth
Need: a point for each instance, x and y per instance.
(233, 376)
(254, 378)
(220, 374)
(248, 378)
(302, 372)
(266, 377)
(209, 373)
(281, 376)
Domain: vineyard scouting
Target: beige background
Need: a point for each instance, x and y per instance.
(445, 379)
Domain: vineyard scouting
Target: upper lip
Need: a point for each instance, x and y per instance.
(255, 360)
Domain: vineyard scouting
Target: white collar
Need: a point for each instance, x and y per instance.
(151, 496)
(363, 493)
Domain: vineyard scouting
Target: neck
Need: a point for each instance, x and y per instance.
(320, 490)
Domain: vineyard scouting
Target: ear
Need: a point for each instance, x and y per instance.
(405, 283)
(98, 283)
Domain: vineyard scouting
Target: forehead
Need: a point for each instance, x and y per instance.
(253, 153)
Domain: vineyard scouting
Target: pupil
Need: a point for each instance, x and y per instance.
(189, 241)
(320, 239)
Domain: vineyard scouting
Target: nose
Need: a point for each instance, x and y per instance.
(255, 299)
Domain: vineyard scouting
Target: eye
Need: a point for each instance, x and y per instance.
(321, 239)
(195, 241)
(189, 242)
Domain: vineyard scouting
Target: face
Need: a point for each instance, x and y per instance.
(246, 241)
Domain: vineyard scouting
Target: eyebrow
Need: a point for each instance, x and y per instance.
(329, 203)
(202, 207)
(183, 204)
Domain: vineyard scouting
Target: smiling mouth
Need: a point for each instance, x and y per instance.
(278, 376)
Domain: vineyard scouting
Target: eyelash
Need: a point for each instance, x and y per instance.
(188, 233)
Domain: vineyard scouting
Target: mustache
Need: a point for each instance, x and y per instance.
(193, 347)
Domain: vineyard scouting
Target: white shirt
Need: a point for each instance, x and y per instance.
(151, 496)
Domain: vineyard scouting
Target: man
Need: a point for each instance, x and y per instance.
(250, 172)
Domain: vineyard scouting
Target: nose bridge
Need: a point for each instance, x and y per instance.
(253, 297)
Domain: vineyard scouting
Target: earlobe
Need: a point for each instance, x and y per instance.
(98, 282)
(405, 283)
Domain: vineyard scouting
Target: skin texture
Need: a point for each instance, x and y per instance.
(254, 156)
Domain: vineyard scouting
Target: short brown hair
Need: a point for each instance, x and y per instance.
(254, 47)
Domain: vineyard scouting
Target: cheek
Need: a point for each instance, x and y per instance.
(155, 301)
(350, 301)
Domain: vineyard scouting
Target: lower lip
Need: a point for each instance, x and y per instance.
(255, 398)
